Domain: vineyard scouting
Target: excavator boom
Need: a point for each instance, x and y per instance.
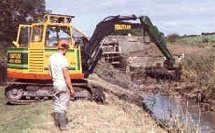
(93, 49)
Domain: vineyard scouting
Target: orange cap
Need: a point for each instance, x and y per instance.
(63, 44)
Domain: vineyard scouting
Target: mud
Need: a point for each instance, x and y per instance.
(107, 72)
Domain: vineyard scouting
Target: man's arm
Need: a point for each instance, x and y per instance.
(68, 80)
(50, 72)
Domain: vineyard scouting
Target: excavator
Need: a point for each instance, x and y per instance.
(27, 60)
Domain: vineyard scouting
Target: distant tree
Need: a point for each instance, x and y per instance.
(15, 12)
(185, 35)
(173, 37)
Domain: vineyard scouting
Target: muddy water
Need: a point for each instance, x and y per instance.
(172, 111)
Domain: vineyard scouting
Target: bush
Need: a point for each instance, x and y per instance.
(173, 37)
(205, 40)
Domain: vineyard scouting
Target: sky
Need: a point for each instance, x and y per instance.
(170, 16)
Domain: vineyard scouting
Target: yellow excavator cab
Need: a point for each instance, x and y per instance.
(35, 43)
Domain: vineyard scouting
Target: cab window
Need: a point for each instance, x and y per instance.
(37, 33)
(24, 36)
(55, 33)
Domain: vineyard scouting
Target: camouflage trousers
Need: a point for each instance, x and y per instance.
(62, 98)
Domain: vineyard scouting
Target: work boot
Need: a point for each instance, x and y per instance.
(56, 119)
(63, 121)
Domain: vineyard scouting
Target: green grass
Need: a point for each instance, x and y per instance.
(211, 38)
(22, 118)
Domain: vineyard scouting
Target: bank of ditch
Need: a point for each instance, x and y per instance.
(192, 99)
(193, 96)
(117, 114)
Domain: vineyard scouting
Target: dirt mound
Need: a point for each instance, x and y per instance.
(107, 72)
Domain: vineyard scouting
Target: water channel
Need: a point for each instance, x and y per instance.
(173, 112)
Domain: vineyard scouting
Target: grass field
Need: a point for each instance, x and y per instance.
(210, 38)
(21, 119)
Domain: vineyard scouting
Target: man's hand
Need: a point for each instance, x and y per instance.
(72, 92)
(68, 81)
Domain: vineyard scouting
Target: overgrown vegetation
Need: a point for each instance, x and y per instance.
(200, 72)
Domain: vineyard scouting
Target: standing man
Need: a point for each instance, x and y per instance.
(61, 82)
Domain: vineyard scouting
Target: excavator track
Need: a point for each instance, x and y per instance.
(22, 93)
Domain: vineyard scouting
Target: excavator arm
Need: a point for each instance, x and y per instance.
(158, 38)
(92, 49)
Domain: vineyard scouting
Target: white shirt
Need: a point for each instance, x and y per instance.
(57, 62)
